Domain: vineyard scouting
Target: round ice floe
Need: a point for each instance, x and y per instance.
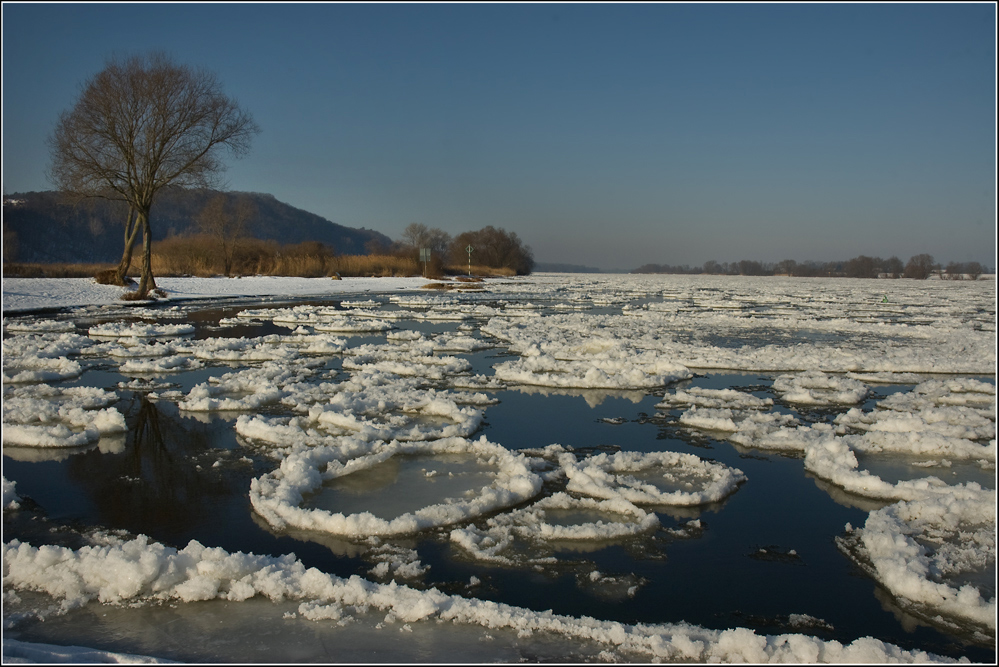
(715, 398)
(633, 372)
(59, 417)
(239, 350)
(39, 326)
(817, 388)
(139, 330)
(404, 336)
(832, 459)
(407, 358)
(247, 389)
(48, 435)
(559, 517)
(170, 364)
(460, 343)
(913, 438)
(958, 392)
(44, 346)
(352, 325)
(37, 369)
(481, 382)
(137, 348)
(279, 495)
(321, 344)
(937, 554)
(399, 314)
(656, 478)
(368, 407)
(42, 358)
(381, 413)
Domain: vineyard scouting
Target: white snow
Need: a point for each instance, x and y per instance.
(140, 571)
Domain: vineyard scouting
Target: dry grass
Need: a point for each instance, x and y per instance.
(460, 272)
(35, 270)
(377, 266)
(201, 256)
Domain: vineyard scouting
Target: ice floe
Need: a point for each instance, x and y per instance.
(935, 553)
(818, 388)
(278, 496)
(43, 416)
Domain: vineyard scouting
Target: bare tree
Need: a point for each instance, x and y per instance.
(119, 274)
(224, 220)
(143, 123)
(920, 267)
(894, 267)
(414, 234)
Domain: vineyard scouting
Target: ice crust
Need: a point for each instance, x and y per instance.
(140, 571)
(929, 542)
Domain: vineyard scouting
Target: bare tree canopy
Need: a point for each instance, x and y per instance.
(143, 123)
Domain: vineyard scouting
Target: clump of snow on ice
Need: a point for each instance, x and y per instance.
(44, 416)
(818, 388)
(11, 501)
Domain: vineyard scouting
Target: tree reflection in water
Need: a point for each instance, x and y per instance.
(165, 483)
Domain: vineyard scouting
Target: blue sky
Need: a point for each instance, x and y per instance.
(608, 135)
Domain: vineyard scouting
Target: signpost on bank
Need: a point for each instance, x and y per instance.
(469, 249)
(424, 257)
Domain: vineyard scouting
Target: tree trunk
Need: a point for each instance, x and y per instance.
(146, 283)
(131, 232)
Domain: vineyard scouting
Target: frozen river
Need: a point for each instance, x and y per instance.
(555, 468)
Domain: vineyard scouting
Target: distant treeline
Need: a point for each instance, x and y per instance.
(918, 267)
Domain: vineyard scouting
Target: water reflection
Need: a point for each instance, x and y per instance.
(842, 497)
(38, 454)
(337, 545)
(593, 397)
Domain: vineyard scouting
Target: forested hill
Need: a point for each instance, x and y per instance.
(43, 227)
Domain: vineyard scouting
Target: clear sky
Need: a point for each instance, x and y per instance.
(610, 135)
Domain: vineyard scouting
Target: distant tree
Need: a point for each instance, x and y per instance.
(894, 267)
(751, 268)
(958, 270)
(920, 267)
(414, 234)
(974, 270)
(141, 124)
(418, 236)
(786, 267)
(863, 267)
(224, 219)
(496, 248)
(712, 267)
